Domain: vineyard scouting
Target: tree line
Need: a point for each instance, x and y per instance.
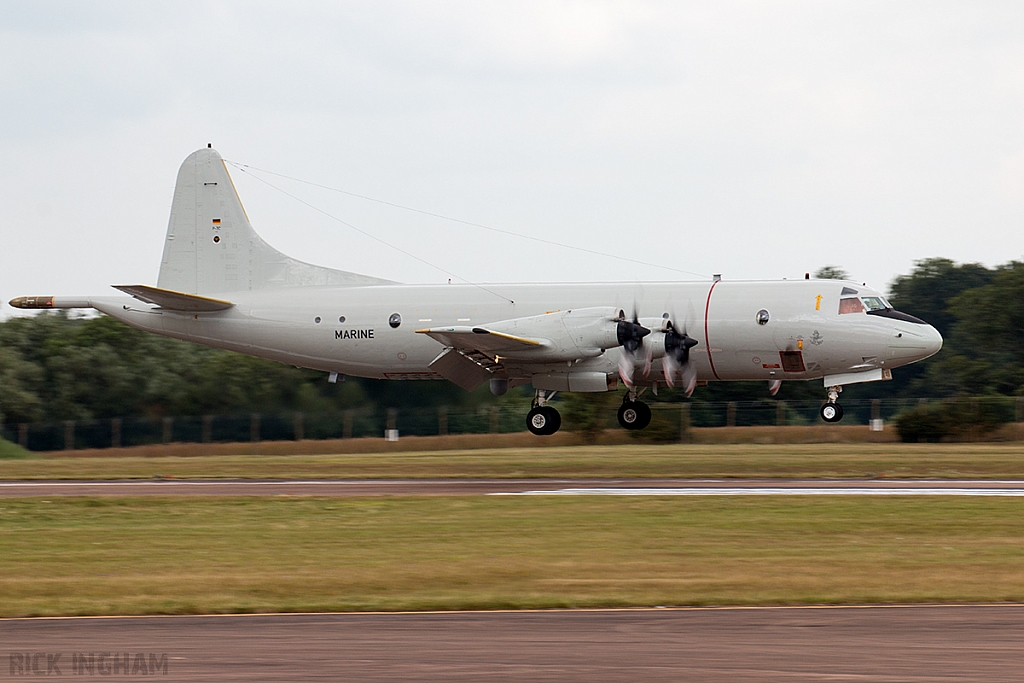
(56, 366)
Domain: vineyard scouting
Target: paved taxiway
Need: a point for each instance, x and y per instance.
(457, 487)
(917, 644)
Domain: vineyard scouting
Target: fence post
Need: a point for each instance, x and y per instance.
(684, 423)
(115, 432)
(300, 432)
(780, 414)
(207, 428)
(494, 419)
(442, 420)
(254, 427)
(730, 414)
(1018, 413)
(69, 435)
(168, 429)
(346, 432)
(876, 409)
(23, 435)
(391, 431)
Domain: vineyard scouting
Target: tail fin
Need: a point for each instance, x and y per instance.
(211, 247)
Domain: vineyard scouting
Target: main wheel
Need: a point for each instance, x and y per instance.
(831, 412)
(634, 415)
(543, 420)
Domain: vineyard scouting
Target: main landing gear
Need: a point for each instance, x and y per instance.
(832, 411)
(543, 420)
(634, 414)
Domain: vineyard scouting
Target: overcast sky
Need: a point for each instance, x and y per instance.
(757, 140)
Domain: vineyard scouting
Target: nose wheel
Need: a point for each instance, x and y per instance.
(832, 411)
(634, 414)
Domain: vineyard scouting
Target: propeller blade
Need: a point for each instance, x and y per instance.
(689, 379)
(671, 368)
(626, 368)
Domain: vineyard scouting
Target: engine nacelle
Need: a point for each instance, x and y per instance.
(575, 334)
(593, 330)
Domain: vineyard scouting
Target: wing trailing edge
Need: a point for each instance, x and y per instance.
(481, 339)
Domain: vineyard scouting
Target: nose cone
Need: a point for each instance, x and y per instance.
(910, 343)
(934, 341)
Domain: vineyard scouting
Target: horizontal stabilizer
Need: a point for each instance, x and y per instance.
(174, 301)
(480, 339)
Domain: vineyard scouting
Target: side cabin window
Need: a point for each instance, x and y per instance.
(875, 303)
(851, 305)
(861, 304)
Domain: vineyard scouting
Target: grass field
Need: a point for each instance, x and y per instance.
(982, 461)
(12, 450)
(183, 555)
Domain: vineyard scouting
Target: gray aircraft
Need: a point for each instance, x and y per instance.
(221, 285)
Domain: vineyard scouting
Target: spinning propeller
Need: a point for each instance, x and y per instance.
(677, 358)
(669, 343)
(630, 335)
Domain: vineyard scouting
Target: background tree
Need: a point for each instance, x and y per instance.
(831, 273)
(984, 351)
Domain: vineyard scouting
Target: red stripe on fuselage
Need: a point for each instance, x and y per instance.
(707, 343)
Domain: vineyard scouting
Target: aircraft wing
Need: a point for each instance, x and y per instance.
(472, 354)
(481, 339)
(174, 301)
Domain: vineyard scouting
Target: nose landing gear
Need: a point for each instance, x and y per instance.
(543, 420)
(832, 411)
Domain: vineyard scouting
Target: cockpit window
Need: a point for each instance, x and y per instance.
(874, 303)
(847, 291)
(850, 306)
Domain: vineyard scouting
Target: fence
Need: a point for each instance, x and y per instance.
(135, 431)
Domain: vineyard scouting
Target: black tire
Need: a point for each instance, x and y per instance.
(831, 412)
(543, 421)
(645, 415)
(634, 415)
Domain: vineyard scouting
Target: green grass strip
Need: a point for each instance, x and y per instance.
(202, 555)
(10, 450)
(981, 461)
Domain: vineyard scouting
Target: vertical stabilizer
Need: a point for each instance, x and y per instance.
(211, 247)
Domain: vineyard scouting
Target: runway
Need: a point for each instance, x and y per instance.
(468, 487)
(914, 644)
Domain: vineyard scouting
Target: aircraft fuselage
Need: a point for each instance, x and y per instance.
(349, 330)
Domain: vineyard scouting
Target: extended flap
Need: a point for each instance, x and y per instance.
(460, 370)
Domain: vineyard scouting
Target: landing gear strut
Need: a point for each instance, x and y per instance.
(634, 414)
(543, 420)
(832, 411)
